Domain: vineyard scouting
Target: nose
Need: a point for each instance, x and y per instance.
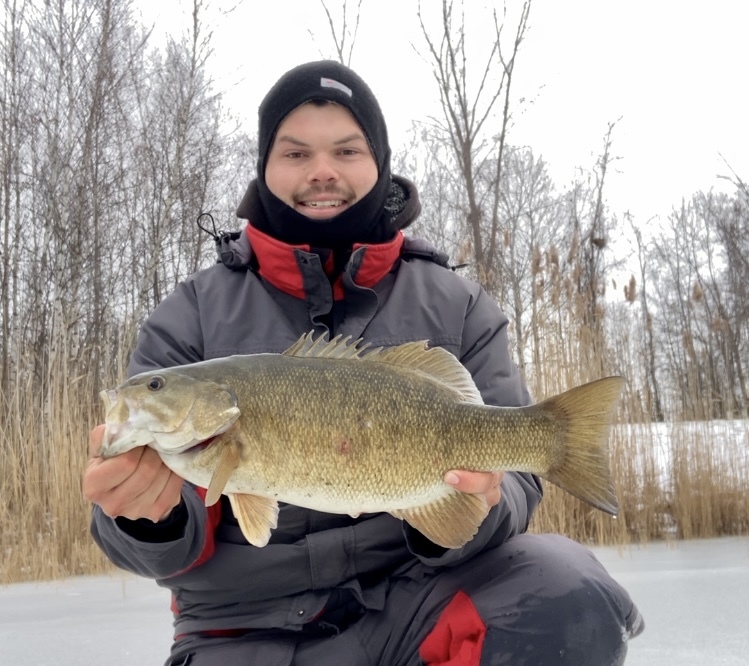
(322, 170)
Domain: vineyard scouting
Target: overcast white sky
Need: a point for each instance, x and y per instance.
(675, 71)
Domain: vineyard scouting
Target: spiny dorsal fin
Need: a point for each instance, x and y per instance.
(439, 364)
(338, 347)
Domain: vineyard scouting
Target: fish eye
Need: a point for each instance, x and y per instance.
(155, 383)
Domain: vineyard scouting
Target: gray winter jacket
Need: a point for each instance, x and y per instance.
(219, 582)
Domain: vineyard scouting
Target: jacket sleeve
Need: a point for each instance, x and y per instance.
(485, 353)
(155, 557)
(171, 336)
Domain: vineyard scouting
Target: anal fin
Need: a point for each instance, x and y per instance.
(451, 521)
(256, 516)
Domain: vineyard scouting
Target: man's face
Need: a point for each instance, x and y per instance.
(320, 163)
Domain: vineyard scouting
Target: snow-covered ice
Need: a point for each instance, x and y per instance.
(694, 596)
(111, 621)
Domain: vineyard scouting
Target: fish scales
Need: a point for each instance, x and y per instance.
(329, 427)
(383, 436)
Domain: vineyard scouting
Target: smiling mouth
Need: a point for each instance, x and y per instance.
(332, 203)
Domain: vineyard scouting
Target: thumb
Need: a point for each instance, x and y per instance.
(95, 440)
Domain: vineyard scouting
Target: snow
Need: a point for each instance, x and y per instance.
(693, 596)
(111, 621)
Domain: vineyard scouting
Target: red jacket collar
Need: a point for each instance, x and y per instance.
(277, 262)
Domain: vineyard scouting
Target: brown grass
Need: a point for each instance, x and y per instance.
(695, 486)
(673, 480)
(43, 451)
(44, 519)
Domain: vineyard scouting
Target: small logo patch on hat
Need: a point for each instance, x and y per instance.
(332, 83)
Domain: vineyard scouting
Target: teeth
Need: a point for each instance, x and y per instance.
(319, 204)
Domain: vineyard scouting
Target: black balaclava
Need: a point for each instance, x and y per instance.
(368, 220)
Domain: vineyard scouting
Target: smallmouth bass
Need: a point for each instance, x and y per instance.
(329, 427)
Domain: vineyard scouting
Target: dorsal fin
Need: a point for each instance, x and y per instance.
(439, 364)
(338, 347)
(436, 362)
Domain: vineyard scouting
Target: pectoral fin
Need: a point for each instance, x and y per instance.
(450, 522)
(256, 515)
(227, 463)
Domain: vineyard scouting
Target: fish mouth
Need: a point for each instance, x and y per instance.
(108, 398)
(118, 438)
(119, 434)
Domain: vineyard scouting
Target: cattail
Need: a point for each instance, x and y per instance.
(630, 290)
(536, 261)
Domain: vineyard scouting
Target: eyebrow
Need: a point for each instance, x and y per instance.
(347, 139)
(351, 137)
(291, 139)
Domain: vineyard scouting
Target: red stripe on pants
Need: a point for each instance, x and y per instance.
(458, 636)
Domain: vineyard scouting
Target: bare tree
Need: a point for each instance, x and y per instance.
(653, 393)
(180, 147)
(476, 119)
(15, 135)
(589, 228)
(723, 281)
(344, 36)
(441, 220)
(695, 314)
(76, 105)
(530, 210)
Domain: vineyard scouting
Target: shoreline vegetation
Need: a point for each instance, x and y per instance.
(116, 139)
(680, 480)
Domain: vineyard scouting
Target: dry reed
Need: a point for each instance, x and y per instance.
(43, 515)
(681, 480)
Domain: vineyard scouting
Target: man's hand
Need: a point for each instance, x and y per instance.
(477, 483)
(136, 484)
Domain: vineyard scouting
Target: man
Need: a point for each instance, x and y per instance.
(324, 250)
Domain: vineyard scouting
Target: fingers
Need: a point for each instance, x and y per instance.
(104, 476)
(170, 497)
(474, 482)
(145, 493)
(95, 440)
(135, 484)
(477, 483)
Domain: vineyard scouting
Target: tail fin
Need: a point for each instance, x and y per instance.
(582, 468)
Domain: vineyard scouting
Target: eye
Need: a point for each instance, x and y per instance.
(156, 383)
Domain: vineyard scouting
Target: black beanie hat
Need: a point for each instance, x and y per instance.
(327, 80)
(368, 220)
